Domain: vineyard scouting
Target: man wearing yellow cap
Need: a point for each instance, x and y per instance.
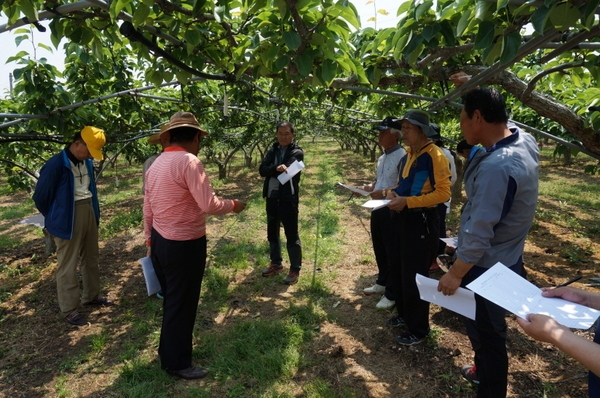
(66, 195)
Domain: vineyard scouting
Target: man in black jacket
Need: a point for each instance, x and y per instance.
(282, 201)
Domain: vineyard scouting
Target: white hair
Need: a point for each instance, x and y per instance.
(394, 131)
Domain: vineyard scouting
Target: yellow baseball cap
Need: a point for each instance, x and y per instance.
(94, 139)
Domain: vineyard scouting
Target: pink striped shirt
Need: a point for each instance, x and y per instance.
(179, 196)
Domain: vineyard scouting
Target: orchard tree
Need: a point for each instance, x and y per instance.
(543, 53)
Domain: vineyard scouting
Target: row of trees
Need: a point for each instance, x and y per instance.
(241, 65)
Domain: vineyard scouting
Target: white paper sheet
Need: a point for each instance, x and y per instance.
(375, 204)
(510, 291)
(461, 302)
(152, 283)
(291, 171)
(36, 219)
(451, 242)
(354, 189)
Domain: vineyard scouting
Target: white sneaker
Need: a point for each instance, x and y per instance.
(384, 303)
(375, 289)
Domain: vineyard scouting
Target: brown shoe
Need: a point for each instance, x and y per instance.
(272, 270)
(292, 278)
(190, 373)
(100, 301)
(75, 318)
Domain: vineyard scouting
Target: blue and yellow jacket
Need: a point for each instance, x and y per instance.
(424, 177)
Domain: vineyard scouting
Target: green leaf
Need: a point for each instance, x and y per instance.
(119, 5)
(282, 62)
(463, 22)
(483, 10)
(19, 39)
(485, 35)
(564, 16)
(512, 42)
(292, 40)
(348, 14)
(539, 19)
(430, 31)
(192, 36)
(45, 47)
(422, 9)
(329, 71)
(18, 56)
(141, 13)
(500, 4)
(21, 31)
(590, 10)
(448, 33)
(493, 52)
(198, 6)
(304, 63)
(29, 10)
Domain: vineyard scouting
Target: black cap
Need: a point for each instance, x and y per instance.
(390, 122)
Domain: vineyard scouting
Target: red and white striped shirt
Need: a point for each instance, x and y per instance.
(179, 196)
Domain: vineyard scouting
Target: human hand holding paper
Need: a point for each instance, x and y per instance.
(290, 171)
(509, 290)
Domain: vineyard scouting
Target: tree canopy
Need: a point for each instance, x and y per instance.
(272, 56)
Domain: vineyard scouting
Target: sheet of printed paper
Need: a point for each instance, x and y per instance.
(152, 283)
(291, 171)
(510, 291)
(375, 204)
(461, 302)
(451, 242)
(354, 189)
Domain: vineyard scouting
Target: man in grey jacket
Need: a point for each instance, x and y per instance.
(502, 188)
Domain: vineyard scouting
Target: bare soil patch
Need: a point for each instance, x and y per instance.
(354, 351)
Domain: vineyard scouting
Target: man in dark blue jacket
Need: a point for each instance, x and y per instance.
(66, 195)
(282, 201)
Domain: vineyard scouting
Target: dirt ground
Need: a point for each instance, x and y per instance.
(357, 348)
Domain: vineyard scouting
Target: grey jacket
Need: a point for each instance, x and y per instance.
(502, 190)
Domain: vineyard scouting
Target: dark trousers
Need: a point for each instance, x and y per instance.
(382, 244)
(179, 266)
(593, 379)
(488, 338)
(284, 212)
(442, 209)
(415, 236)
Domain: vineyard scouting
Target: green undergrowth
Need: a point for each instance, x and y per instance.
(254, 334)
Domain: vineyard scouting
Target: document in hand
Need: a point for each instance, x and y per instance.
(510, 291)
(375, 204)
(152, 283)
(353, 189)
(462, 301)
(291, 171)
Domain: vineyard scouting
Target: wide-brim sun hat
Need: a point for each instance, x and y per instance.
(154, 139)
(419, 118)
(94, 140)
(183, 119)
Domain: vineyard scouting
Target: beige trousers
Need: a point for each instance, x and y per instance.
(82, 247)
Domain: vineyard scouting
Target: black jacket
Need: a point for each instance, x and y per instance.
(267, 169)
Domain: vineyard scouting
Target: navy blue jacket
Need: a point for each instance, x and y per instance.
(54, 194)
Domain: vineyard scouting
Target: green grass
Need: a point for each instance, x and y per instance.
(249, 353)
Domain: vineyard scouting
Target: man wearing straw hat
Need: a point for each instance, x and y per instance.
(178, 197)
(66, 195)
